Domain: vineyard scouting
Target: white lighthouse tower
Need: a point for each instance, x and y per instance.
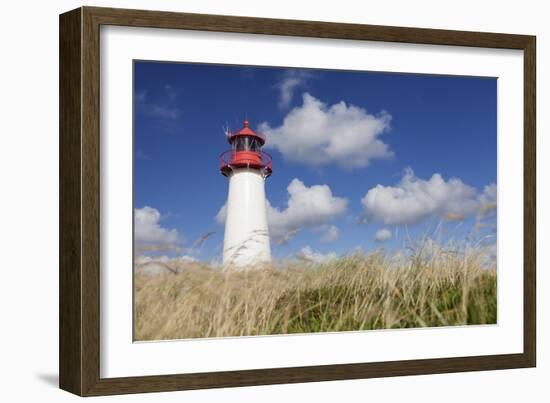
(246, 240)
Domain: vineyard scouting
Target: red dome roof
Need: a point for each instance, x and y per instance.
(246, 131)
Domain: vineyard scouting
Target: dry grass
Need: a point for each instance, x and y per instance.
(435, 287)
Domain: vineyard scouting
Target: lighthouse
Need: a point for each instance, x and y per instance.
(246, 239)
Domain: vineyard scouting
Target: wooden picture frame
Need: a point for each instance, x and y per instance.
(79, 317)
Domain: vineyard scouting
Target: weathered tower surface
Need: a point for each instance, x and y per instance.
(246, 240)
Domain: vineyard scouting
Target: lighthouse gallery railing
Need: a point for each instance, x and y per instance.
(249, 159)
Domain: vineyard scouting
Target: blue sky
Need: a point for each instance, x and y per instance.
(376, 152)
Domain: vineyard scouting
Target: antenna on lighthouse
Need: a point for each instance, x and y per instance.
(226, 130)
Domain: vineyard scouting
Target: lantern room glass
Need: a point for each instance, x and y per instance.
(246, 143)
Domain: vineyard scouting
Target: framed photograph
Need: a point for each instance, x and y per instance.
(249, 201)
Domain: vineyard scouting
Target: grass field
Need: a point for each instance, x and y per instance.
(425, 287)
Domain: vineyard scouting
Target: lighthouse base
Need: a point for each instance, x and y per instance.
(246, 241)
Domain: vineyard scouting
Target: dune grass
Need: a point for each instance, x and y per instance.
(422, 288)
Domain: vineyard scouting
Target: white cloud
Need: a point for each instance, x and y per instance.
(285, 238)
(163, 111)
(331, 233)
(143, 259)
(306, 253)
(316, 134)
(486, 216)
(414, 199)
(307, 207)
(292, 79)
(488, 200)
(149, 235)
(382, 235)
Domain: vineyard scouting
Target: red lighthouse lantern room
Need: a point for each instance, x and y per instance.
(246, 152)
